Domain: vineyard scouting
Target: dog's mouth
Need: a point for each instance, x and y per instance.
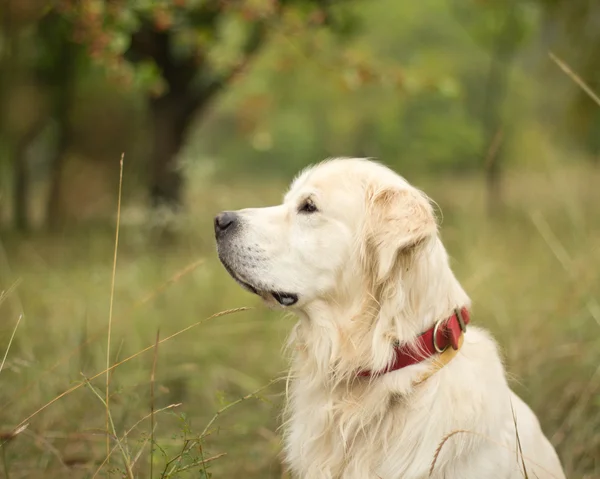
(283, 298)
(244, 284)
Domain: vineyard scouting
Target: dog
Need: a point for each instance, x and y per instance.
(388, 378)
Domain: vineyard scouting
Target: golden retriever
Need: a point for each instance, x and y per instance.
(387, 381)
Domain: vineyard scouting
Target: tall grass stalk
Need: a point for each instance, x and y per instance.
(152, 380)
(12, 336)
(576, 78)
(110, 311)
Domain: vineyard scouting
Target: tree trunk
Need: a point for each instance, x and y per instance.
(494, 138)
(493, 171)
(21, 185)
(63, 96)
(21, 178)
(170, 120)
(496, 93)
(172, 113)
(54, 216)
(8, 67)
(16, 141)
(171, 116)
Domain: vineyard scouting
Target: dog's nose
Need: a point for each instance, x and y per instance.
(225, 221)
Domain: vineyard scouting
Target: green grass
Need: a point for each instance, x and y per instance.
(533, 273)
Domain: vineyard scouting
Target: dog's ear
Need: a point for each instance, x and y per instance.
(398, 221)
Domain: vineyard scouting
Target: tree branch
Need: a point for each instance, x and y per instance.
(254, 41)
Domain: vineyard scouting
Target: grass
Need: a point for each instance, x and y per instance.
(110, 317)
(533, 273)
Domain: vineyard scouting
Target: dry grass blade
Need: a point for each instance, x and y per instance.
(133, 356)
(8, 436)
(489, 439)
(440, 446)
(139, 454)
(518, 439)
(202, 462)
(112, 298)
(152, 378)
(12, 336)
(5, 294)
(576, 78)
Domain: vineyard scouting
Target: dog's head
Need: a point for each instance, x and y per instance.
(342, 221)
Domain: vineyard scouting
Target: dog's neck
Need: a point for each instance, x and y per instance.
(336, 338)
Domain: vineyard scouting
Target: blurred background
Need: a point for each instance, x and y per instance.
(490, 106)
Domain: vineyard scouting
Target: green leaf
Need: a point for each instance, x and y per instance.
(147, 77)
(119, 42)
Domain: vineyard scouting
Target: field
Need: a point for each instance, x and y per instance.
(533, 273)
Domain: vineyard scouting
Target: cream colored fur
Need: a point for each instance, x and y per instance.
(369, 269)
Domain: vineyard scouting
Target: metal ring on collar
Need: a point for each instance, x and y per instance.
(435, 331)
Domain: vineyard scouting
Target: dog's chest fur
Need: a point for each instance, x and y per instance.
(331, 436)
(364, 430)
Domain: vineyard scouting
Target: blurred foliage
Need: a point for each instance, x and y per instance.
(428, 87)
(212, 34)
(409, 91)
(181, 54)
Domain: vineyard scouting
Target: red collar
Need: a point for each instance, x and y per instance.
(445, 333)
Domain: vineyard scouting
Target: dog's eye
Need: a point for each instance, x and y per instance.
(308, 206)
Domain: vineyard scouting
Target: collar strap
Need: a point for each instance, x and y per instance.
(446, 333)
